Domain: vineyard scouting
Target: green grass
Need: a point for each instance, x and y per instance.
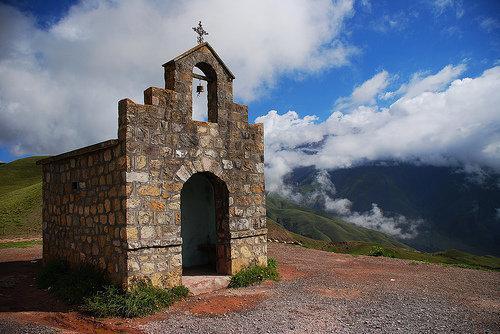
(450, 257)
(21, 198)
(90, 290)
(20, 244)
(255, 274)
(319, 227)
(141, 300)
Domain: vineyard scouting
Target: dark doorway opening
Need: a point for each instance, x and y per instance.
(204, 225)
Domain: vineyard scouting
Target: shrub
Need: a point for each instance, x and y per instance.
(105, 303)
(255, 274)
(91, 290)
(380, 251)
(376, 251)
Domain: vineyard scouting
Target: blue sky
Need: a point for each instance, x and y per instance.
(423, 39)
(403, 38)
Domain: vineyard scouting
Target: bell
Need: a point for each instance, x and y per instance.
(200, 89)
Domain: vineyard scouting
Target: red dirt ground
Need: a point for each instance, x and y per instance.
(22, 302)
(289, 273)
(216, 305)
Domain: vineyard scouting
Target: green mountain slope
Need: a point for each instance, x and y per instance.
(459, 210)
(313, 225)
(20, 198)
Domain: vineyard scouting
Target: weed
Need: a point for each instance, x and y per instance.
(255, 274)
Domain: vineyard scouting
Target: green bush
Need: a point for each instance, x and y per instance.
(93, 293)
(380, 251)
(105, 303)
(255, 274)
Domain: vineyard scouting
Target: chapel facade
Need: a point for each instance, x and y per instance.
(170, 193)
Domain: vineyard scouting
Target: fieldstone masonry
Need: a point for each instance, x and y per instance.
(117, 204)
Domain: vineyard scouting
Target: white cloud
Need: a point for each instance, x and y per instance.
(375, 220)
(365, 93)
(441, 6)
(433, 121)
(325, 195)
(366, 5)
(420, 82)
(489, 24)
(391, 22)
(59, 87)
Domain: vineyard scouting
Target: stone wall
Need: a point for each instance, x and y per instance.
(83, 208)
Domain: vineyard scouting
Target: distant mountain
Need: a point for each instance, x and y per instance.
(20, 198)
(457, 210)
(314, 225)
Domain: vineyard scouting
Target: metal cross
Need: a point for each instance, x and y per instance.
(200, 31)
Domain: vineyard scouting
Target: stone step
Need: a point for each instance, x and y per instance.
(201, 284)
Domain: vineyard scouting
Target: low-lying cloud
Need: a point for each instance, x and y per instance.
(325, 195)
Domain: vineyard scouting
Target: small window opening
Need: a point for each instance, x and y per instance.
(76, 186)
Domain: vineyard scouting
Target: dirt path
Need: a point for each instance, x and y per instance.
(320, 293)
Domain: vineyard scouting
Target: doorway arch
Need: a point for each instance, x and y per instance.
(205, 225)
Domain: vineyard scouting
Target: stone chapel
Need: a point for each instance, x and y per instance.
(171, 193)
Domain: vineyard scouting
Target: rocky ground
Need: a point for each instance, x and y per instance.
(319, 292)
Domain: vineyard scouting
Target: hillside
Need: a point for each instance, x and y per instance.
(20, 198)
(316, 226)
(277, 233)
(457, 210)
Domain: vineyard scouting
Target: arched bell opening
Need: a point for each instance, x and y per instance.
(205, 225)
(204, 93)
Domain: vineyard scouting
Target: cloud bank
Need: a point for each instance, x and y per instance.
(325, 196)
(437, 119)
(59, 86)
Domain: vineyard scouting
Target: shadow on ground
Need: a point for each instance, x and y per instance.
(19, 292)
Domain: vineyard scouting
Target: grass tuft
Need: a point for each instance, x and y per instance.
(94, 294)
(19, 244)
(380, 251)
(255, 274)
(141, 300)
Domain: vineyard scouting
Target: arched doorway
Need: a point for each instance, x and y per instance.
(205, 225)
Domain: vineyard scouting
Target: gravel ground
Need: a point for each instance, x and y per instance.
(334, 293)
(11, 327)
